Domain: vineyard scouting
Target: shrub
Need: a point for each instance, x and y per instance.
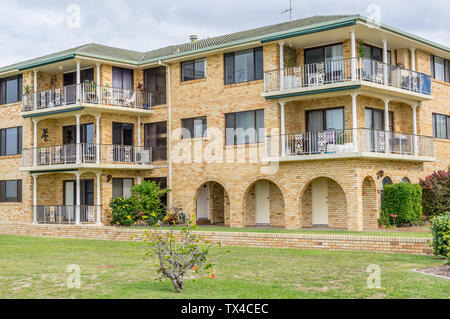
(144, 207)
(436, 193)
(440, 226)
(402, 204)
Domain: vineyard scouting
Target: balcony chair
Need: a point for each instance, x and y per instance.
(130, 100)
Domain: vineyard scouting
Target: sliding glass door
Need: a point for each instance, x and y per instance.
(375, 135)
(324, 64)
(324, 126)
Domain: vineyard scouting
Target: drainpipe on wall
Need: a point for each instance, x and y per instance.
(169, 129)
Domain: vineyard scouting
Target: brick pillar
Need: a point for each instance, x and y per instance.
(291, 211)
(237, 217)
(355, 206)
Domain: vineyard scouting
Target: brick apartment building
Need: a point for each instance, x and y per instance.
(292, 125)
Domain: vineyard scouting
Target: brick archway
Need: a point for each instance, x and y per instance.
(219, 203)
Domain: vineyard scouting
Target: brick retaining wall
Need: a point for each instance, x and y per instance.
(273, 240)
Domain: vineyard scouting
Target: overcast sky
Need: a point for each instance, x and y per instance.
(30, 29)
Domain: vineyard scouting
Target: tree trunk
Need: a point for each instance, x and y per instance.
(178, 284)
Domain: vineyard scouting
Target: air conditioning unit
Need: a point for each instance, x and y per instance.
(143, 157)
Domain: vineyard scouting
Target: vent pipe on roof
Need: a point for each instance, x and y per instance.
(193, 38)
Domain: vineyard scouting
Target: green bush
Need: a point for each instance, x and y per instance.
(144, 207)
(402, 204)
(440, 226)
(436, 194)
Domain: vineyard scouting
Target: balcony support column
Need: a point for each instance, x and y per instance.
(78, 139)
(77, 207)
(139, 132)
(283, 129)
(353, 40)
(99, 83)
(385, 61)
(35, 129)
(386, 125)
(354, 122)
(35, 221)
(414, 109)
(281, 44)
(413, 59)
(78, 88)
(35, 88)
(99, 199)
(97, 137)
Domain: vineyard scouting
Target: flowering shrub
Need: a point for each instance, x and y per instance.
(436, 193)
(144, 207)
(402, 205)
(440, 226)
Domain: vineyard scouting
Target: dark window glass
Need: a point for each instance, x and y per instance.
(244, 127)
(122, 78)
(11, 89)
(11, 141)
(122, 187)
(191, 70)
(244, 66)
(441, 126)
(155, 82)
(440, 69)
(155, 137)
(325, 119)
(375, 53)
(194, 127)
(375, 119)
(11, 191)
(123, 134)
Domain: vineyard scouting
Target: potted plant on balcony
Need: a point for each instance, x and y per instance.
(290, 62)
(27, 91)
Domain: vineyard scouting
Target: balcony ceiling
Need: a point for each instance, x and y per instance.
(65, 66)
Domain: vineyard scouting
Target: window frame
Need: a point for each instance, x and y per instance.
(158, 135)
(433, 68)
(3, 141)
(434, 126)
(324, 117)
(204, 133)
(193, 69)
(121, 179)
(257, 137)
(4, 90)
(117, 68)
(323, 47)
(160, 92)
(3, 187)
(391, 118)
(233, 54)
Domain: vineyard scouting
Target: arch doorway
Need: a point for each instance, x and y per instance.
(212, 204)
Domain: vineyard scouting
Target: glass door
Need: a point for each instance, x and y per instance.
(123, 141)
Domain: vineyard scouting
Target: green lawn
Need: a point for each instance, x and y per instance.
(423, 233)
(36, 268)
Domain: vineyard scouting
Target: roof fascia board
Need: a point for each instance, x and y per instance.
(105, 60)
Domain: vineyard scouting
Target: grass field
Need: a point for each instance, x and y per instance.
(36, 268)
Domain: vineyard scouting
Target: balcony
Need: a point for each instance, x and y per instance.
(349, 143)
(88, 94)
(86, 155)
(345, 73)
(66, 214)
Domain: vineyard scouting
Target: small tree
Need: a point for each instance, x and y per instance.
(436, 193)
(440, 226)
(178, 252)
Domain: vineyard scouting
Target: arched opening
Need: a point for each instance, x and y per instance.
(386, 181)
(369, 198)
(212, 204)
(264, 205)
(324, 204)
(406, 180)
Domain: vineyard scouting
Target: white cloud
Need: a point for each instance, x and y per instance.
(29, 28)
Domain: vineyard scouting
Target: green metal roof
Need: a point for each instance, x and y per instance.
(263, 34)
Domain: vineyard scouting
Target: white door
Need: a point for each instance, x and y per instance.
(70, 200)
(262, 203)
(203, 202)
(319, 189)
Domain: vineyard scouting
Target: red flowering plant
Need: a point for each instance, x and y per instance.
(436, 193)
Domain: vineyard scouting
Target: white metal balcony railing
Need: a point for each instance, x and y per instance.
(346, 70)
(86, 153)
(88, 93)
(66, 214)
(343, 141)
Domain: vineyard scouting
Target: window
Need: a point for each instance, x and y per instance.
(123, 134)
(122, 78)
(11, 191)
(375, 53)
(441, 126)
(122, 187)
(244, 127)
(194, 127)
(406, 180)
(11, 141)
(11, 89)
(192, 70)
(155, 82)
(325, 120)
(324, 54)
(375, 119)
(155, 137)
(440, 68)
(244, 66)
(162, 182)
